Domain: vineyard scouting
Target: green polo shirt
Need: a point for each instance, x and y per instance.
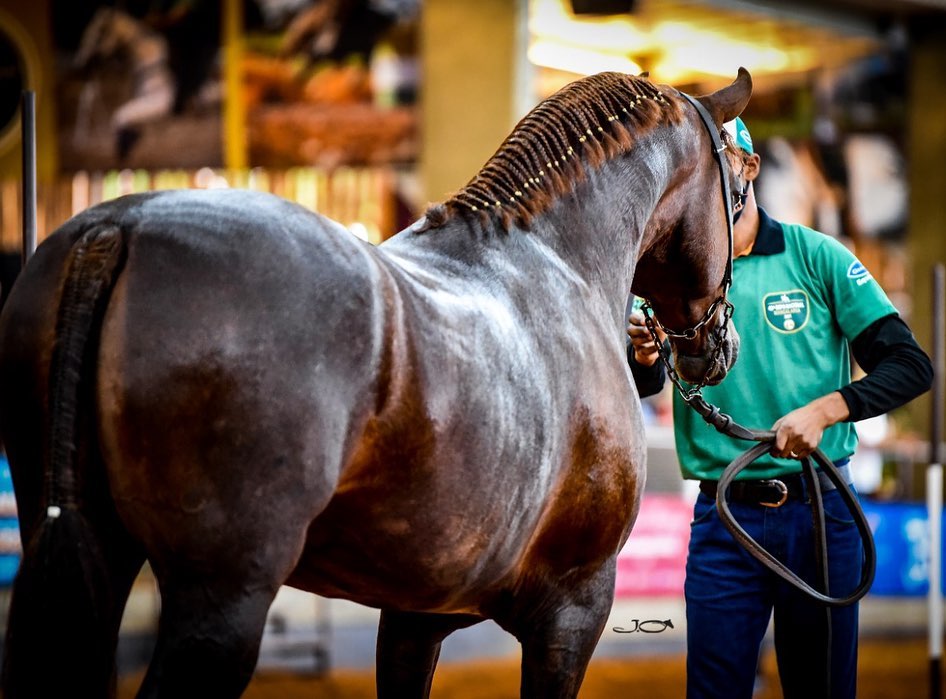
(800, 298)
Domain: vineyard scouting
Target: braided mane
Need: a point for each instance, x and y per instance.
(584, 124)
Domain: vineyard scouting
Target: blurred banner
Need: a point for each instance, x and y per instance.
(653, 561)
(10, 549)
(901, 533)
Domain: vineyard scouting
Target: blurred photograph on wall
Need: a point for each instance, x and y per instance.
(139, 83)
(332, 82)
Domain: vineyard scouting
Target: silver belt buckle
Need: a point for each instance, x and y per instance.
(783, 493)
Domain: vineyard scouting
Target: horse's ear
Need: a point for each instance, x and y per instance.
(727, 103)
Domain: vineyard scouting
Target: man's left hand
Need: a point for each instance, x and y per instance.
(798, 433)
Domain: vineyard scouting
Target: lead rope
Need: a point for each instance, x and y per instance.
(726, 425)
(764, 439)
(821, 556)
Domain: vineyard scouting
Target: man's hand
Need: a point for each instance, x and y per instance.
(645, 350)
(799, 433)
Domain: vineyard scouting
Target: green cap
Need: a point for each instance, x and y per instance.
(740, 134)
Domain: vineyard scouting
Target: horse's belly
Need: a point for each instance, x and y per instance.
(381, 555)
(454, 540)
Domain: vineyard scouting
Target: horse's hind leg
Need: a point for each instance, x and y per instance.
(408, 649)
(208, 637)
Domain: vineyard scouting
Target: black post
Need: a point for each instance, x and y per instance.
(28, 132)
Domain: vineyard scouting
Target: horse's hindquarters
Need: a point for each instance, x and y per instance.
(230, 381)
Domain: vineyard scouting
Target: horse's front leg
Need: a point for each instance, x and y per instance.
(559, 637)
(408, 649)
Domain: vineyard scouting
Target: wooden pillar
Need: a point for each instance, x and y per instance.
(472, 59)
(234, 109)
(926, 157)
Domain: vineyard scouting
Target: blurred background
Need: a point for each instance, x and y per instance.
(368, 110)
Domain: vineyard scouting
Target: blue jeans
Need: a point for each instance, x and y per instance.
(730, 597)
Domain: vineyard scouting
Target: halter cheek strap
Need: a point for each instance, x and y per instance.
(718, 149)
(721, 300)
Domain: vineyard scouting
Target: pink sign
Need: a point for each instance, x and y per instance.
(653, 561)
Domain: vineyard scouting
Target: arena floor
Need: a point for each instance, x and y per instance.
(887, 670)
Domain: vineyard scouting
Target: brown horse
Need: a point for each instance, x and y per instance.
(245, 395)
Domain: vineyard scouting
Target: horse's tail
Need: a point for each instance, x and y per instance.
(58, 640)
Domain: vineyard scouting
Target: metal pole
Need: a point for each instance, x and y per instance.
(28, 132)
(934, 483)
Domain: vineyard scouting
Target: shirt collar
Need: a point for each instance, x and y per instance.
(770, 240)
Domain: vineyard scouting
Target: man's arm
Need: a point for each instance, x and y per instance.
(646, 367)
(898, 370)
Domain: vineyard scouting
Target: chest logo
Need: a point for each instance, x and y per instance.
(786, 311)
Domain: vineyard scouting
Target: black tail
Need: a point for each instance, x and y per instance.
(57, 641)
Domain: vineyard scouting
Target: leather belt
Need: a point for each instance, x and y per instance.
(773, 492)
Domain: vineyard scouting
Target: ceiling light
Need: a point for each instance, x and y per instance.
(577, 60)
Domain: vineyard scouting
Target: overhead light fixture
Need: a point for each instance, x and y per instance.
(689, 50)
(550, 20)
(572, 59)
(603, 7)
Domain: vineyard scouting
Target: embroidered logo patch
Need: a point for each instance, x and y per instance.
(786, 311)
(859, 272)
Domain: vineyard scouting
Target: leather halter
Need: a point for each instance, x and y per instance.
(718, 150)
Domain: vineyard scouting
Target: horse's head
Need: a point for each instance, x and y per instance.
(685, 267)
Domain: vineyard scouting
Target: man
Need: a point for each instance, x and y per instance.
(803, 303)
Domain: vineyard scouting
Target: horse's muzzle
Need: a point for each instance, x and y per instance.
(710, 367)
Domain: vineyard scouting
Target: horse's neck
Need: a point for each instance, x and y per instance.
(598, 229)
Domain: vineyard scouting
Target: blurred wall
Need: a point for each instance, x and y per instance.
(32, 17)
(470, 63)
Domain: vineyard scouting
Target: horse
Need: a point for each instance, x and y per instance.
(245, 395)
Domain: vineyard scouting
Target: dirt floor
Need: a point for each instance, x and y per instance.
(887, 670)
